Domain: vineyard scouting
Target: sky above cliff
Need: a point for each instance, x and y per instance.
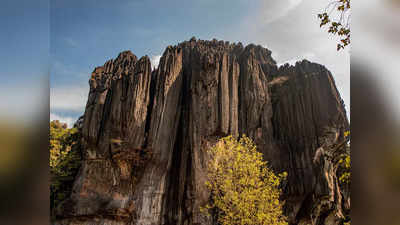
(85, 34)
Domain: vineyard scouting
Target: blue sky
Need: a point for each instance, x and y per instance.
(24, 44)
(24, 38)
(85, 34)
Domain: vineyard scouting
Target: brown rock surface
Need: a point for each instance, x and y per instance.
(145, 134)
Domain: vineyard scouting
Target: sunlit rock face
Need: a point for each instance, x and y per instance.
(145, 134)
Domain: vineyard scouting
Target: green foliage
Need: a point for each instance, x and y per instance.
(65, 160)
(339, 23)
(243, 189)
(345, 164)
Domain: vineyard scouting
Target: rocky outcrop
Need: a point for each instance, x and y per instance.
(145, 134)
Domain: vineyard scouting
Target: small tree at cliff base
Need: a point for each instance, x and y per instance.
(243, 189)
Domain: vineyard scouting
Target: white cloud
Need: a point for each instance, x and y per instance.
(68, 98)
(155, 60)
(68, 120)
(274, 10)
(309, 56)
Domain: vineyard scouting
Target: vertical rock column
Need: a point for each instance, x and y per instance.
(166, 112)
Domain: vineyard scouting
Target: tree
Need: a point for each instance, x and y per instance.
(65, 160)
(243, 189)
(337, 17)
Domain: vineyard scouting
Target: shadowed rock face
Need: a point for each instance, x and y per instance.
(201, 91)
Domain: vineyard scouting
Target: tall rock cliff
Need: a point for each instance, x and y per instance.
(145, 134)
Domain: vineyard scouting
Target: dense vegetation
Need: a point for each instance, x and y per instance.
(65, 160)
(243, 189)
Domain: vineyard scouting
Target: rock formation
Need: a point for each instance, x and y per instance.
(145, 133)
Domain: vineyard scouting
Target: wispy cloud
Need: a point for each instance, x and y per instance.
(272, 11)
(309, 56)
(71, 98)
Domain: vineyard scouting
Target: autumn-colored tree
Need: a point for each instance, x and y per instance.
(244, 190)
(336, 17)
(65, 160)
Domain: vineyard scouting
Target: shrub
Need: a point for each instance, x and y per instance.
(243, 189)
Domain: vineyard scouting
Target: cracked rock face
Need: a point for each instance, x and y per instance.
(201, 91)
